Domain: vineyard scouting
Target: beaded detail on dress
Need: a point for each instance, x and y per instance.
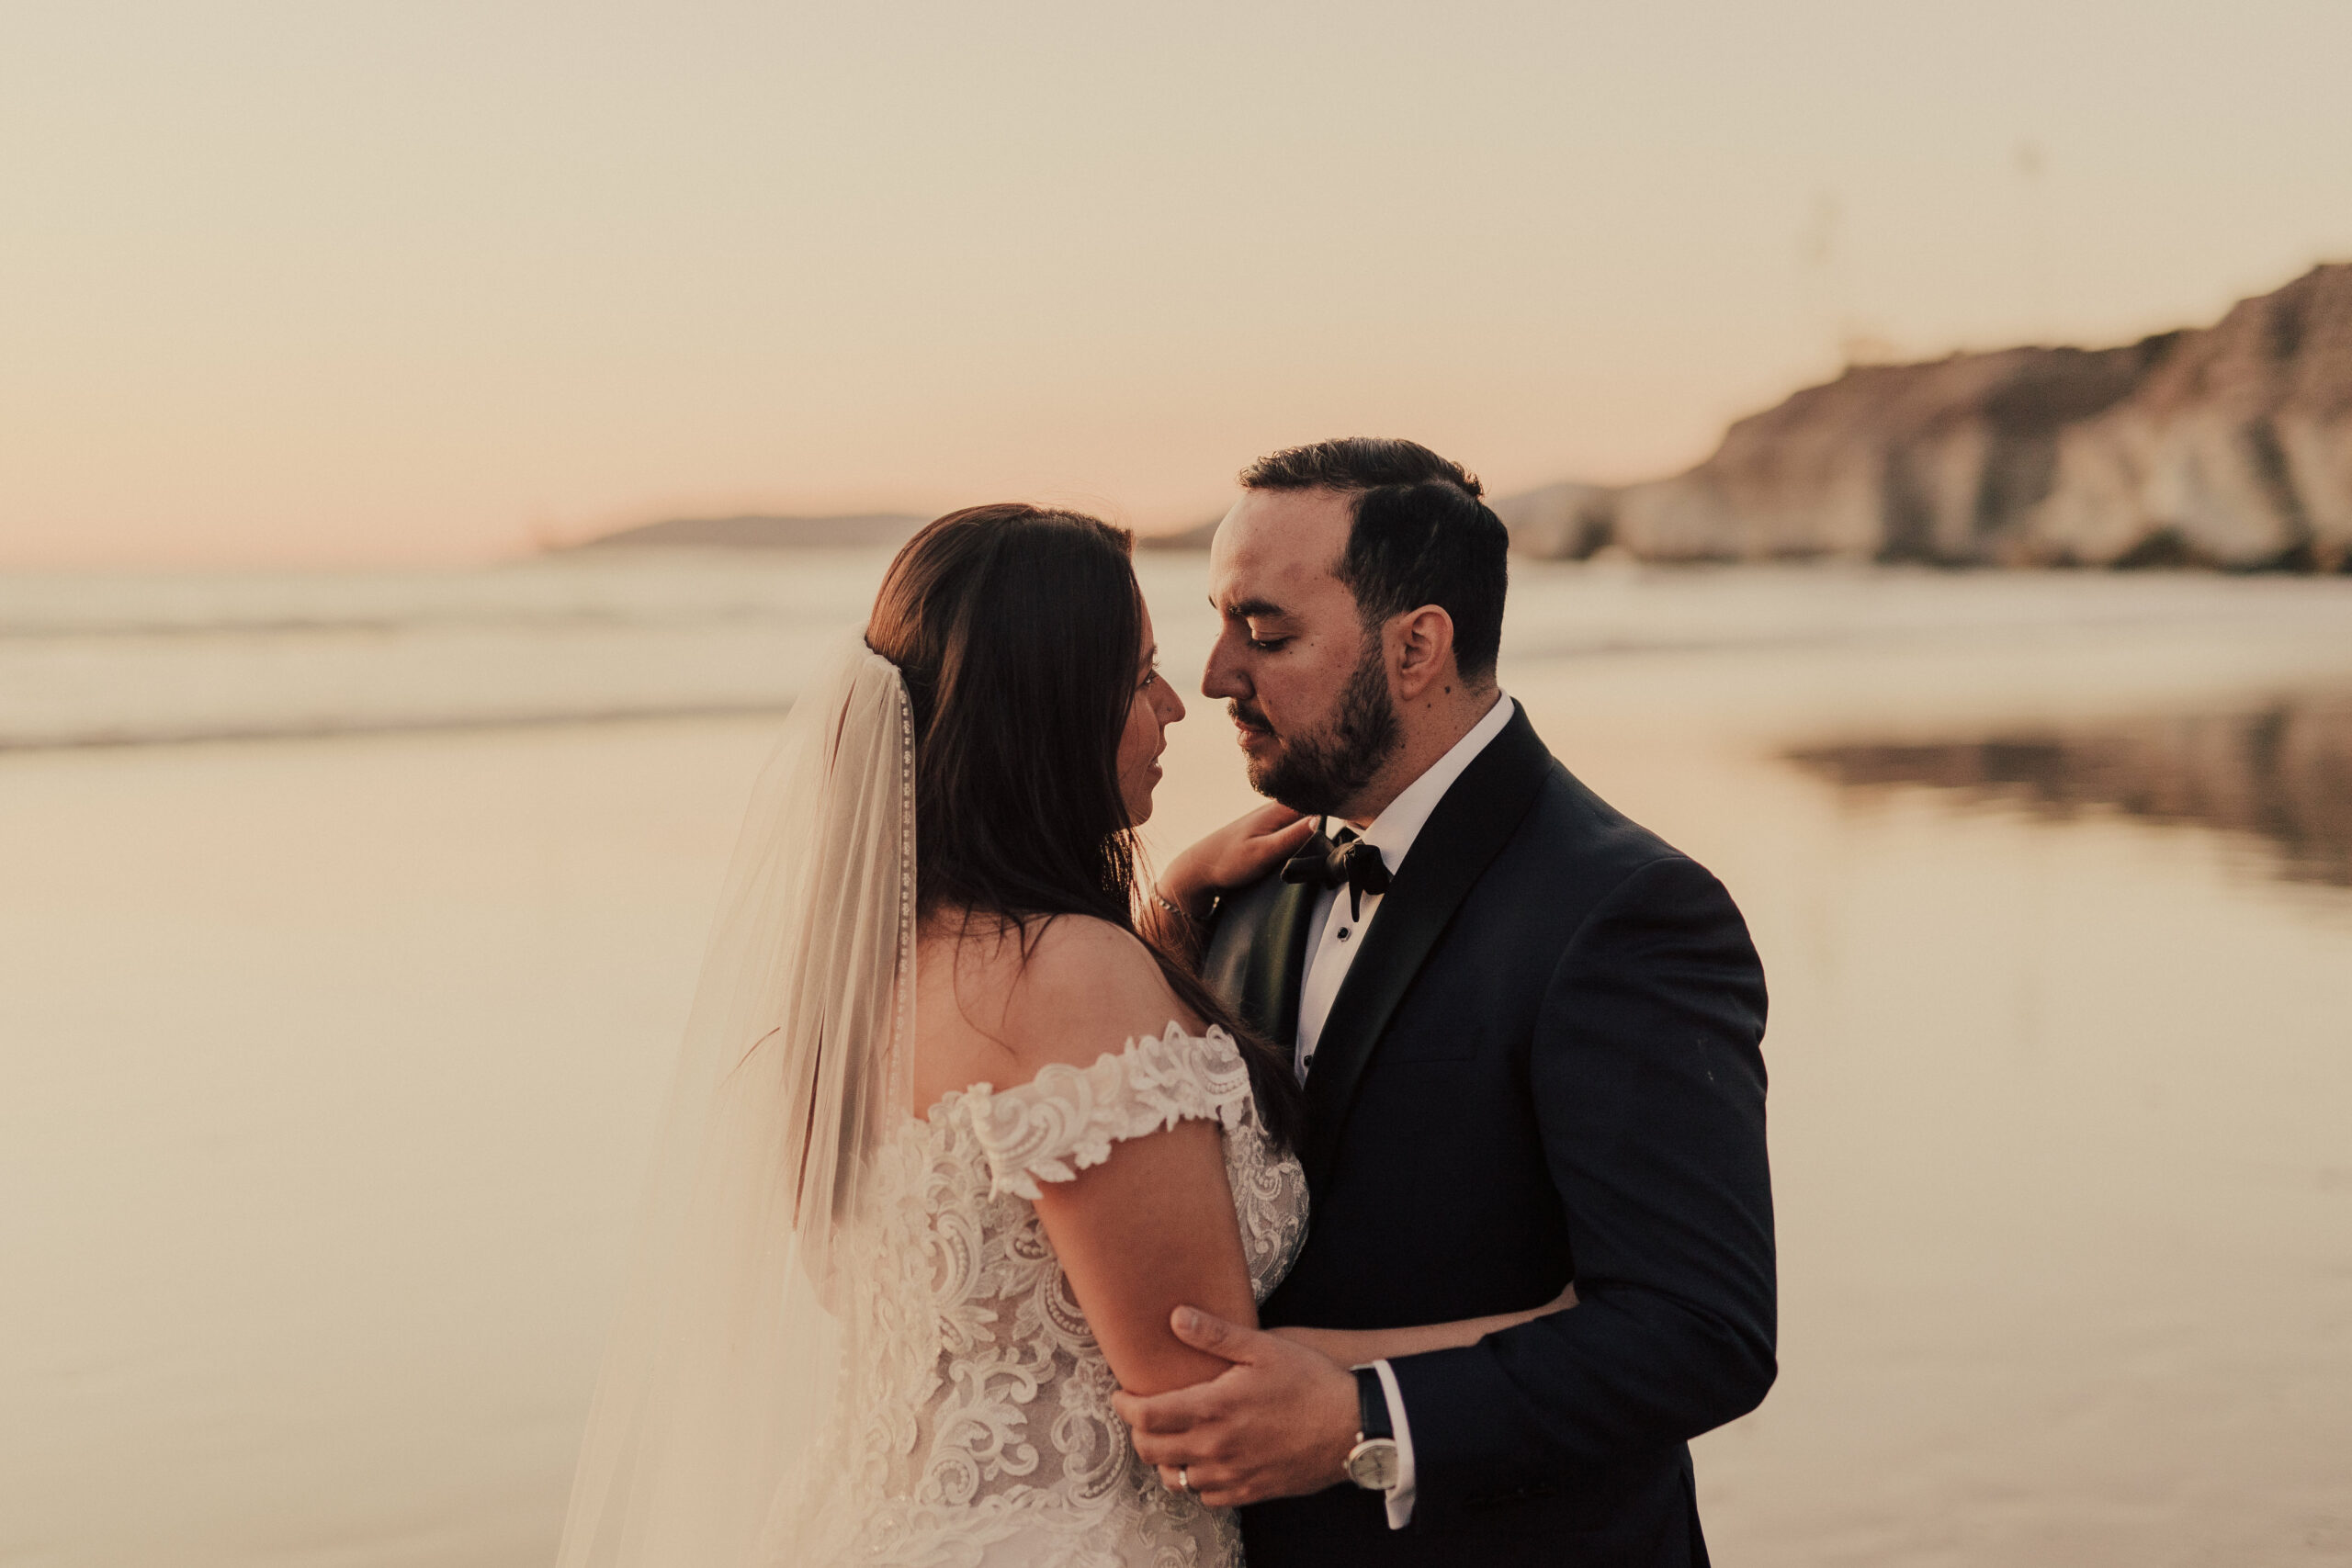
(973, 1428)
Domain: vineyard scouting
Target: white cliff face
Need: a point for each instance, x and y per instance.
(2239, 442)
(1559, 519)
(2229, 445)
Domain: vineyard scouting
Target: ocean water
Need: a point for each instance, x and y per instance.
(122, 660)
(345, 922)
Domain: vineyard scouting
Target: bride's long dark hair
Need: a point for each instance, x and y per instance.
(1019, 630)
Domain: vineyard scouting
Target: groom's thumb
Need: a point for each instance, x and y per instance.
(1206, 1331)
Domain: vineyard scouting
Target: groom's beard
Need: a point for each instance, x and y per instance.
(1318, 774)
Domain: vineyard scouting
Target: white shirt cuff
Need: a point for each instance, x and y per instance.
(1401, 1496)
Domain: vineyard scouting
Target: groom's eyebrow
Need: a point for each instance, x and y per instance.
(1248, 609)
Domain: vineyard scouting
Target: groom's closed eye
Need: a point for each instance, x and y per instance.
(1263, 624)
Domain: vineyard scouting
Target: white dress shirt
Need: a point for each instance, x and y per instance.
(1339, 931)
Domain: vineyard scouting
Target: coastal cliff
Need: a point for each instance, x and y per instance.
(860, 530)
(2227, 447)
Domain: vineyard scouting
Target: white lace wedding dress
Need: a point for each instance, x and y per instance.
(973, 1428)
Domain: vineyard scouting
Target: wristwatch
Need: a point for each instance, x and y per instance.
(1372, 1463)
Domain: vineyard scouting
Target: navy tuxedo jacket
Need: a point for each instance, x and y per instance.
(1544, 1066)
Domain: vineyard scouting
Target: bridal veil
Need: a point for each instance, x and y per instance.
(725, 1355)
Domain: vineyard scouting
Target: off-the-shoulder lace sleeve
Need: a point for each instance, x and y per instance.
(1067, 1118)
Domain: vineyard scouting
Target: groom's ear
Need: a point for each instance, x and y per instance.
(1420, 651)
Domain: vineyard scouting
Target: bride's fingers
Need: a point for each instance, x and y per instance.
(1254, 823)
(1253, 857)
(1291, 834)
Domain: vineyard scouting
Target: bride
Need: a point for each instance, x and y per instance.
(950, 1137)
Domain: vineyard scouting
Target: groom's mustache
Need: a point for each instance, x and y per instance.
(1244, 714)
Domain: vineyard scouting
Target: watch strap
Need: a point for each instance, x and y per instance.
(1372, 1405)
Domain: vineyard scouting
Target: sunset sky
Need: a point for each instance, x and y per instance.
(314, 282)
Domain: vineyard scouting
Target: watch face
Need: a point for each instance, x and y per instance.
(1372, 1464)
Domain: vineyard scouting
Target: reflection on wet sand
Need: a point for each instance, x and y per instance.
(2057, 1114)
(2282, 772)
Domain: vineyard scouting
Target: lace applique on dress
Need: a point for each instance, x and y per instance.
(1067, 1118)
(973, 1426)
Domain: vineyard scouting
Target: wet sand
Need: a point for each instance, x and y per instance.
(327, 1068)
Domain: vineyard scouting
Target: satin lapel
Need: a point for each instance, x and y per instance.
(1278, 964)
(1257, 955)
(1463, 836)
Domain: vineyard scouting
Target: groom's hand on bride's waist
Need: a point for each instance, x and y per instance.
(1278, 1423)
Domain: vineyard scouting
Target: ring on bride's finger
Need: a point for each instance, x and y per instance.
(1184, 1478)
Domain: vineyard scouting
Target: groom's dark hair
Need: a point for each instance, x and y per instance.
(1422, 535)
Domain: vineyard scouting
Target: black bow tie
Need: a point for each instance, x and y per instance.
(1344, 862)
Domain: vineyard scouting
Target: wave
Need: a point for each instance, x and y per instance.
(117, 738)
(90, 662)
(620, 592)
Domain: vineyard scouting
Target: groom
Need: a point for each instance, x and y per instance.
(1528, 1032)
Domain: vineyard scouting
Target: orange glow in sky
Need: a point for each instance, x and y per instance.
(355, 283)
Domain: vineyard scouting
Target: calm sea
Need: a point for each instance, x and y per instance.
(346, 921)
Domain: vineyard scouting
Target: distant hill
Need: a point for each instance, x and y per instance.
(868, 529)
(2228, 445)
(1556, 520)
(889, 529)
(1196, 538)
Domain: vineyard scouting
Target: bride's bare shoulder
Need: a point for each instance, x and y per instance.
(1067, 989)
(1089, 987)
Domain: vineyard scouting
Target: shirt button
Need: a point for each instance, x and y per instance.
(1343, 933)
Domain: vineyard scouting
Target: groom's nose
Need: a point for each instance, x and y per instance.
(1222, 680)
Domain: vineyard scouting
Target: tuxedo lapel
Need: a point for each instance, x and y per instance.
(1463, 836)
(1257, 955)
(1278, 968)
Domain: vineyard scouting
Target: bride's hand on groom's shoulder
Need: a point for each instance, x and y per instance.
(1236, 855)
(1277, 1423)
